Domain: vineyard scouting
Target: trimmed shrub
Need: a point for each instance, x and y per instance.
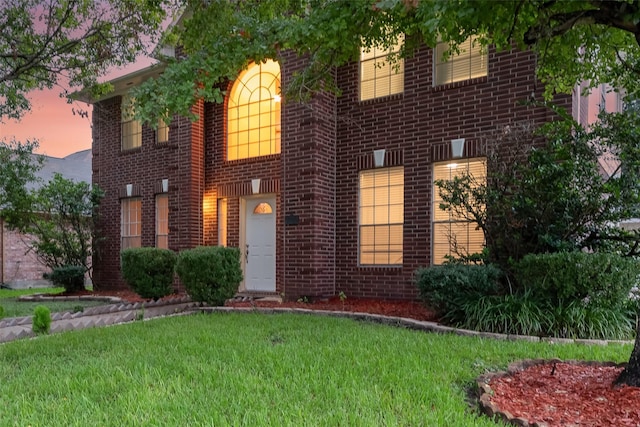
(70, 277)
(596, 279)
(448, 288)
(41, 323)
(210, 274)
(149, 271)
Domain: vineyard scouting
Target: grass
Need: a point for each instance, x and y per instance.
(256, 370)
(15, 308)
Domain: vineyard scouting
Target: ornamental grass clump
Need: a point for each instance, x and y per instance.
(210, 274)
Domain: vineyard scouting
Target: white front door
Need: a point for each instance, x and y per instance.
(260, 244)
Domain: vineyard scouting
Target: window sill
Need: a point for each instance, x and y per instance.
(461, 83)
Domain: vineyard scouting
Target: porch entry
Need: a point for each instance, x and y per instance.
(259, 243)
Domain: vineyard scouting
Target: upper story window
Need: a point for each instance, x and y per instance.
(469, 63)
(254, 112)
(131, 130)
(380, 77)
(162, 133)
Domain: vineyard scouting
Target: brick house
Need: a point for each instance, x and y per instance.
(334, 195)
(19, 266)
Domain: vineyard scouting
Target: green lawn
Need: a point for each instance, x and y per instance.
(14, 308)
(250, 369)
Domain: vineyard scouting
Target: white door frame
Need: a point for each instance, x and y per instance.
(271, 199)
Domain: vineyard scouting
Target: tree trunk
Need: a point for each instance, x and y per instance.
(631, 374)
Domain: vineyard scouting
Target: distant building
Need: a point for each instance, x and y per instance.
(19, 267)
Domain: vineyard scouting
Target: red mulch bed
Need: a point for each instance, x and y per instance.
(575, 395)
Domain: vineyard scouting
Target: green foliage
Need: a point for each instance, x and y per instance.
(210, 274)
(149, 271)
(2, 312)
(528, 313)
(596, 279)
(575, 42)
(61, 219)
(447, 288)
(70, 277)
(550, 197)
(41, 323)
(19, 167)
(45, 43)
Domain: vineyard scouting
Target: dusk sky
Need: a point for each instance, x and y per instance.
(51, 120)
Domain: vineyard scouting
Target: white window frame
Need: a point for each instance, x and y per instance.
(445, 225)
(130, 129)
(381, 216)
(254, 113)
(379, 77)
(469, 63)
(130, 223)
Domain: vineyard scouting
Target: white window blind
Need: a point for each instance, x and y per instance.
(162, 221)
(379, 77)
(469, 63)
(452, 234)
(381, 216)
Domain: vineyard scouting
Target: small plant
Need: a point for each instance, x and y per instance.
(2, 312)
(78, 309)
(41, 323)
(304, 299)
(140, 314)
(343, 298)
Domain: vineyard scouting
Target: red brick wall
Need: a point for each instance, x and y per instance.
(415, 123)
(181, 161)
(315, 179)
(19, 265)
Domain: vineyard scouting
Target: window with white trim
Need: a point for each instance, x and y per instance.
(380, 77)
(131, 129)
(162, 221)
(453, 235)
(131, 223)
(470, 62)
(381, 216)
(253, 112)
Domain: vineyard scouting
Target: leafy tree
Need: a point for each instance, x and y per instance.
(19, 166)
(44, 43)
(553, 197)
(61, 222)
(576, 41)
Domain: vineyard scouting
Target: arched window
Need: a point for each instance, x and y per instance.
(253, 115)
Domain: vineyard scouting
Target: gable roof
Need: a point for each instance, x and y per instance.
(76, 167)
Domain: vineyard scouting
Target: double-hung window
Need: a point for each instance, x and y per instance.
(381, 216)
(454, 235)
(468, 63)
(379, 76)
(131, 223)
(131, 129)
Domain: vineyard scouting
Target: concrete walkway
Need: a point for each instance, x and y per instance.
(115, 311)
